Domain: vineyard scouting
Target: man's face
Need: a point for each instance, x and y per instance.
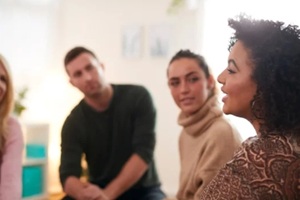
(87, 74)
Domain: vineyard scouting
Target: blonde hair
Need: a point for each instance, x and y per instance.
(6, 104)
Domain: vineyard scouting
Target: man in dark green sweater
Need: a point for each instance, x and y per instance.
(113, 126)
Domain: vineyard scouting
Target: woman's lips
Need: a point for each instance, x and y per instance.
(224, 98)
(187, 101)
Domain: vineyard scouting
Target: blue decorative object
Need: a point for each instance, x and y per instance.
(32, 181)
(35, 151)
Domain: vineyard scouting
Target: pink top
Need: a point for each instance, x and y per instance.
(11, 165)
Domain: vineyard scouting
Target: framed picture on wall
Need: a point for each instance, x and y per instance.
(132, 38)
(159, 40)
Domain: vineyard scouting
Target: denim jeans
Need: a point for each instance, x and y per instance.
(145, 193)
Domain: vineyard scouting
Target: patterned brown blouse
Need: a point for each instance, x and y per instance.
(263, 168)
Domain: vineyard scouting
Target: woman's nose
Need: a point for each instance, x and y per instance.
(184, 87)
(221, 78)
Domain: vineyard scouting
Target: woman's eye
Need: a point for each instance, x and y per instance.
(3, 79)
(193, 79)
(230, 71)
(174, 83)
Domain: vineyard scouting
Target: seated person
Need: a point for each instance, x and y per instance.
(262, 85)
(11, 140)
(207, 140)
(113, 126)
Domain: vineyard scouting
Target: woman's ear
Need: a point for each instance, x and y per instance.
(211, 82)
(70, 81)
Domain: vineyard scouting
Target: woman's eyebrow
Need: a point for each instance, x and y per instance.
(234, 63)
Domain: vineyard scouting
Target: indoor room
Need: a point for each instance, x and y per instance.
(135, 40)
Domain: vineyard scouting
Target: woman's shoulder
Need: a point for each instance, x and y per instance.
(269, 143)
(14, 127)
(261, 150)
(223, 127)
(13, 121)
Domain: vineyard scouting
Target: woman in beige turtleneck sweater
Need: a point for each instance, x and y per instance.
(207, 140)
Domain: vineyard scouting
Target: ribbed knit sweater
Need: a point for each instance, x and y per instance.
(206, 143)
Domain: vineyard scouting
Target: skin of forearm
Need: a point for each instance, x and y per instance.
(131, 172)
(73, 187)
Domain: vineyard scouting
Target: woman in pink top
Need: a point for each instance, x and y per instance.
(11, 141)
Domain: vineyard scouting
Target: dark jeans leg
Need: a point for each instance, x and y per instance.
(148, 193)
(67, 198)
(155, 193)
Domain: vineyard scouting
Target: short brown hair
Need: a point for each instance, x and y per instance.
(76, 51)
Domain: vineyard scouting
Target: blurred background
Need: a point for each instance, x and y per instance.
(135, 40)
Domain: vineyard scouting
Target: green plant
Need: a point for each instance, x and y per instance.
(19, 107)
(175, 6)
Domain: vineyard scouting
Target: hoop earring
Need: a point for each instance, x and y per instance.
(252, 105)
(256, 112)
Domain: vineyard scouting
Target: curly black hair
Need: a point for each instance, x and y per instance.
(274, 49)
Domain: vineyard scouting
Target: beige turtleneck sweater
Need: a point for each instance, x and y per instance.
(206, 143)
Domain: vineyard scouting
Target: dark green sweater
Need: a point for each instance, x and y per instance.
(109, 138)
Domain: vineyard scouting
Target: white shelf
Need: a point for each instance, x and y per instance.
(37, 197)
(37, 134)
(33, 161)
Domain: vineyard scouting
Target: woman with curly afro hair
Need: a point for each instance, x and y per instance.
(262, 84)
